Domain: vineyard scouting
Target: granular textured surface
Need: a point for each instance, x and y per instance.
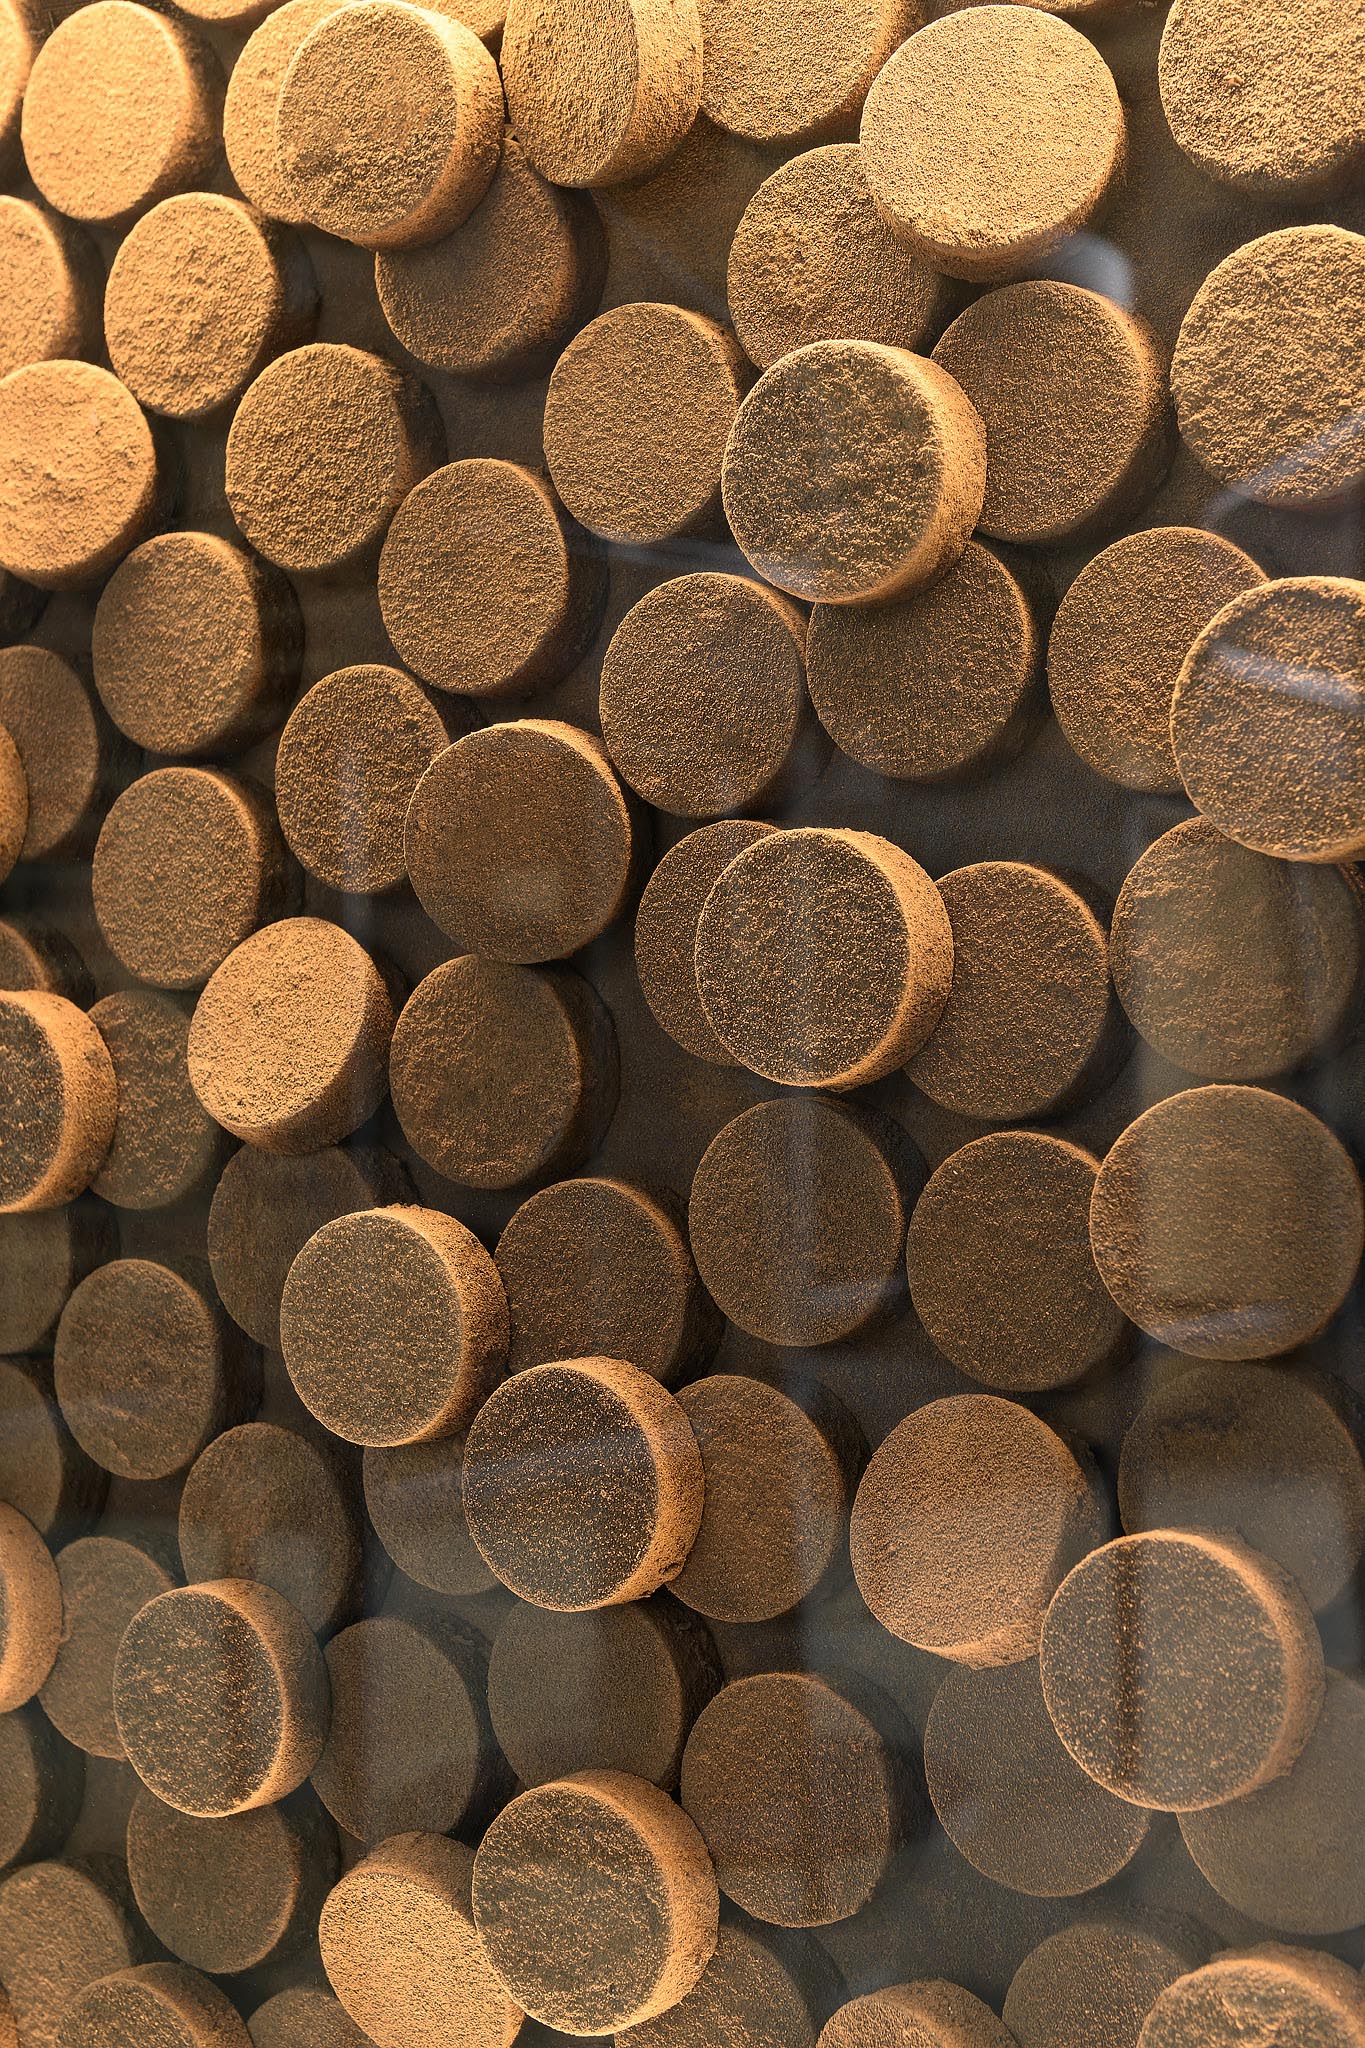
(44, 1253)
(798, 78)
(899, 490)
(58, 1100)
(82, 481)
(927, 2014)
(666, 931)
(156, 2005)
(1093, 1985)
(62, 1925)
(30, 1609)
(70, 755)
(43, 1471)
(253, 96)
(956, 1566)
(1181, 1670)
(600, 97)
(412, 1496)
(13, 803)
(758, 1990)
(607, 1496)
(51, 310)
(36, 956)
(41, 1786)
(304, 2016)
(105, 1581)
(1293, 1993)
(1227, 1222)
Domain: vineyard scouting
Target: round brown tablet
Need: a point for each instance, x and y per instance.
(638, 412)
(597, 100)
(896, 494)
(497, 299)
(968, 1518)
(1071, 391)
(666, 931)
(1181, 1670)
(43, 1471)
(393, 1325)
(160, 2002)
(30, 1609)
(797, 1218)
(1119, 640)
(211, 690)
(1227, 1222)
(759, 1988)
(1031, 1025)
(824, 957)
(402, 1953)
(58, 1100)
(20, 31)
(503, 1074)
(122, 109)
(105, 1581)
(165, 1148)
(929, 2014)
(62, 1926)
(1268, 386)
(41, 1787)
(1299, 1994)
(1093, 1984)
(1001, 1271)
(304, 2016)
(800, 1798)
(83, 483)
(487, 588)
(13, 803)
(52, 306)
(37, 956)
(784, 89)
(412, 1494)
(520, 841)
(289, 1039)
(396, 164)
(253, 96)
(71, 756)
(672, 720)
(274, 1506)
(626, 1868)
(323, 449)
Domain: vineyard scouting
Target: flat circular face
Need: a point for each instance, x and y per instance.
(43, 1787)
(163, 2003)
(253, 96)
(305, 2016)
(52, 310)
(99, 1936)
(165, 1147)
(105, 1581)
(597, 95)
(43, 1255)
(1094, 1983)
(68, 752)
(83, 483)
(13, 802)
(666, 931)
(43, 1471)
(1296, 1993)
(758, 1993)
(771, 86)
(31, 1615)
(930, 2011)
(412, 1495)
(58, 1100)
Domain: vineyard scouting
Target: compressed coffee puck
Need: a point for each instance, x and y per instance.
(52, 308)
(62, 1927)
(274, 1506)
(323, 448)
(397, 167)
(486, 587)
(1001, 1272)
(1031, 1025)
(37, 956)
(779, 1470)
(121, 110)
(607, 1495)
(1181, 1670)
(44, 1254)
(1267, 383)
(20, 32)
(1120, 638)
(637, 416)
(503, 1074)
(253, 96)
(220, 1694)
(520, 841)
(82, 481)
(1071, 392)
(1299, 1994)
(599, 102)
(304, 2016)
(1271, 764)
(1093, 1984)
(760, 1988)
(666, 931)
(165, 1148)
(289, 1039)
(675, 726)
(393, 1325)
(161, 2002)
(799, 1795)
(58, 1100)
(1227, 1222)
(43, 1471)
(206, 691)
(13, 803)
(70, 756)
(402, 1953)
(931, 2012)
(900, 489)
(786, 91)
(797, 1218)
(105, 1581)
(412, 1495)
(644, 1923)
(41, 1788)
(968, 1518)
(30, 1609)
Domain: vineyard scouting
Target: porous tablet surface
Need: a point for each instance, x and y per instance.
(83, 482)
(13, 803)
(163, 2003)
(274, 1506)
(1001, 1272)
(1093, 1984)
(797, 1217)
(289, 1039)
(759, 1989)
(1299, 1994)
(52, 307)
(672, 720)
(614, 1689)
(1227, 1222)
(58, 1100)
(1180, 1669)
(799, 1794)
(323, 448)
(600, 1268)
(1119, 640)
(210, 691)
(412, 1495)
(393, 1325)
(44, 1253)
(930, 2012)
(388, 124)
(968, 1518)
(41, 1786)
(486, 586)
(148, 1368)
(900, 488)
(784, 83)
(20, 32)
(253, 96)
(304, 2016)
(30, 1609)
(122, 109)
(105, 1581)
(1267, 382)
(1071, 392)
(520, 842)
(666, 930)
(637, 416)
(37, 956)
(600, 99)
(43, 1471)
(70, 755)
(503, 1074)
(608, 1491)
(221, 1697)
(62, 1926)
(1272, 764)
